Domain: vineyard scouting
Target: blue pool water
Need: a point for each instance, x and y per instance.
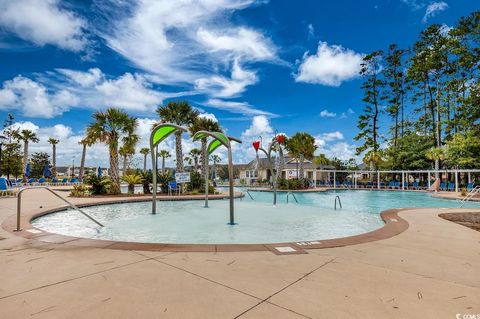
(312, 218)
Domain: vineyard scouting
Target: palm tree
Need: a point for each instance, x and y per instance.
(373, 159)
(26, 136)
(321, 160)
(54, 142)
(108, 127)
(85, 142)
(195, 154)
(180, 113)
(164, 154)
(204, 124)
(302, 146)
(435, 154)
(131, 180)
(188, 160)
(215, 159)
(145, 151)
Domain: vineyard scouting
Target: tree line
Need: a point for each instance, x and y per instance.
(429, 97)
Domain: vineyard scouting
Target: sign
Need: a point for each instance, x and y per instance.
(181, 178)
(292, 173)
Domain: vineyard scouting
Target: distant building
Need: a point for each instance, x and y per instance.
(254, 171)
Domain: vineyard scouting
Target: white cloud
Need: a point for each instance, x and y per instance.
(237, 107)
(311, 30)
(43, 22)
(433, 9)
(220, 86)
(326, 113)
(239, 41)
(331, 65)
(84, 79)
(33, 99)
(65, 89)
(169, 38)
(209, 116)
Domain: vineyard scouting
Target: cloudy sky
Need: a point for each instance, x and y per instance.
(255, 66)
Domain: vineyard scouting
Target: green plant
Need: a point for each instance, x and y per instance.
(79, 190)
(131, 180)
(147, 177)
(98, 185)
(163, 179)
(196, 182)
(463, 192)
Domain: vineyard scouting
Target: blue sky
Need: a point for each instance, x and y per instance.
(256, 66)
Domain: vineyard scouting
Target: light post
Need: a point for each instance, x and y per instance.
(73, 167)
(2, 138)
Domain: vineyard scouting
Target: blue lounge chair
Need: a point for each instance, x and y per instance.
(54, 181)
(415, 185)
(5, 187)
(451, 186)
(74, 181)
(443, 186)
(405, 185)
(396, 185)
(32, 181)
(391, 184)
(173, 187)
(42, 181)
(470, 186)
(64, 181)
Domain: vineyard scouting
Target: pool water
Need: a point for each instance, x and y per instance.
(312, 218)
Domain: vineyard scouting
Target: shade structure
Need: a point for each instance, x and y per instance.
(46, 171)
(27, 170)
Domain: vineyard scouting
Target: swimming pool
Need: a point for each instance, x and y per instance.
(312, 218)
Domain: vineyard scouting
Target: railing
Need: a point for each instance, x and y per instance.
(470, 195)
(293, 195)
(339, 202)
(19, 205)
(250, 195)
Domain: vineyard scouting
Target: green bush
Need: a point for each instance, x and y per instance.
(147, 178)
(163, 179)
(98, 185)
(79, 190)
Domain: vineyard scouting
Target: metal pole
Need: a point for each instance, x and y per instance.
(428, 179)
(355, 179)
(403, 180)
(154, 178)
(378, 180)
(334, 179)
(19, 209)
(230, 177)
(456, 181)
(205, 156)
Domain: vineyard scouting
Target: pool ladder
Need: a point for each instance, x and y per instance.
(470, 195)
(250, 195)
(339, 202)
(294, 197)
(19, 205)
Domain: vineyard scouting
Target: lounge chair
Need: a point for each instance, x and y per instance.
(32, 181)
(470, 186)
(451, 186)
(6, 188)
(415, 185)
(64, 181)
(42, 181)
(405, 185)
(443, 186)
(74, 181)
(173, 187)
(54, 181)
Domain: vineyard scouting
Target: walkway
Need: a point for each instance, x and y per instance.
(429, 271)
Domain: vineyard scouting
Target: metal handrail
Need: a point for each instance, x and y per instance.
(248, 192)
(19, 205)
(470, 195)
(339, 202)
(294, 197)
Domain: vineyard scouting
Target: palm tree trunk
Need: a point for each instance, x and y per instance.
(54, 160)
(163, 164)
(82, 162)
(25, 160)
(178, 151)
(124, 170)
(115, 188)
(145, 163)
(301, 178)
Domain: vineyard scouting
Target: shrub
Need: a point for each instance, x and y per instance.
(163, 179)
(463, 192)
(131, 180)
(98, 185)
(147, 180)
(197, 182)
(79, 190)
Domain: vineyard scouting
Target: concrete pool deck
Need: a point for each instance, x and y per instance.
(431, 270)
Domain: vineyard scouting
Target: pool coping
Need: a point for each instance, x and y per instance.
(393, 226)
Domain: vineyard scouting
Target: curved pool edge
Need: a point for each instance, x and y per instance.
(393, 226)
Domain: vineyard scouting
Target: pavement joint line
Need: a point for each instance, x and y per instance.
(72, 279)
(408, 272)
(226, 286)
(286, 287)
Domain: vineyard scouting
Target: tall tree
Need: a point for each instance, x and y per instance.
(53, 141)
(195, 154)
(302, 146)
(204, 124)
(11, 154)
(26, 136)
(145, 151)
(85, 142)
(180, 113)
(109, 127)
(164, 154)
(369, 119)
(215, 160)
(127, 150)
